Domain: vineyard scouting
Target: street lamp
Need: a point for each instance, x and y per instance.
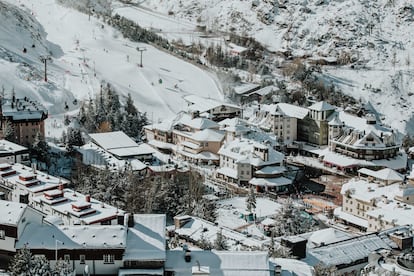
(56, 248)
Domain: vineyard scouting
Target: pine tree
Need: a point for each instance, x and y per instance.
(24, 264)
(8, 131)
(220, 242)
(40, 149)
(251, 200)
(62, 268)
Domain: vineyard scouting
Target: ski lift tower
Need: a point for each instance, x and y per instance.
(45, 59)
(141, 49)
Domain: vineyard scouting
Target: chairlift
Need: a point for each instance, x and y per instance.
(66, 106)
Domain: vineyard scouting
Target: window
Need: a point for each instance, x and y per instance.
(2, 234)
(108, 258)
(82, 259)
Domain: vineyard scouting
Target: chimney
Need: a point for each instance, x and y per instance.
(61, 186)
(126, 218)
(187, 256)
(403, 240)
(88, 198)
(278, 270)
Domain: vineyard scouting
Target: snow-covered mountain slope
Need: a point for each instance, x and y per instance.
(376, 37)
(85, 52)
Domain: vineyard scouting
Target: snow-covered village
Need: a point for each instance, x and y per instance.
(206, 137)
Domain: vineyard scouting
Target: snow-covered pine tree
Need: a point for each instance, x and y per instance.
(220, 243)
(251, 200)
(25, 264)
(62, 268)
(291, 220)
(8, 131)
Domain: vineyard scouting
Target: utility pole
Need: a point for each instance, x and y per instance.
(141, 50)
(45, 59)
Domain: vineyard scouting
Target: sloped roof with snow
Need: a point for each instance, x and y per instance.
(327, 236)
(44, 236)
(146, 239)
(208, 135)
(354, 249)
(223, 263)
(245, 88)
(195, 123)
(113, 140)
(11, 212)
(23, 109)
(242, 150)
(384, 174)
(202, 104)
(271, 182)
(292, 111)
(322, 106)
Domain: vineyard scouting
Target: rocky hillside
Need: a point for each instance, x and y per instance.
(368, 45)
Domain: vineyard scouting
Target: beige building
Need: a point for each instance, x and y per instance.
(280, 119)
(377, 200)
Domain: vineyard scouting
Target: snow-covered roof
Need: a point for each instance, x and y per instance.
(367, 191)
(327, 236)
(271, 182)
(11, 212)
(242, 150)
(140, 150)
(271, 170)
(224, 263)
(397, 163)
(204, 155)
(208, 135)
(245, 88)
(384, 174)
(350, 218)
(202, 104)
(113, 140)
(76, 205)
(96, 156)
(23, 109)
(228, 172)
(44, 236)
(10, 147)
(322, 106)
(292, 267)
(335, 121)
(140, 271)
(352, 250)
(268, 222)
(264, 91)
(198, 123)
(198, 228)
(292, 111)
(40, 182)
(146, 239)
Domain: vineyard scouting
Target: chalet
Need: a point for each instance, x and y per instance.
(135, 246)
(26, 118)
(240, 91)
(213, 109)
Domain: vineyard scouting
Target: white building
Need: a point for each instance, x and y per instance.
(13, 153)
(213, 109)
(22, 183)
(14, 217)
(379, 201)
(74, 208)
(244, 162)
